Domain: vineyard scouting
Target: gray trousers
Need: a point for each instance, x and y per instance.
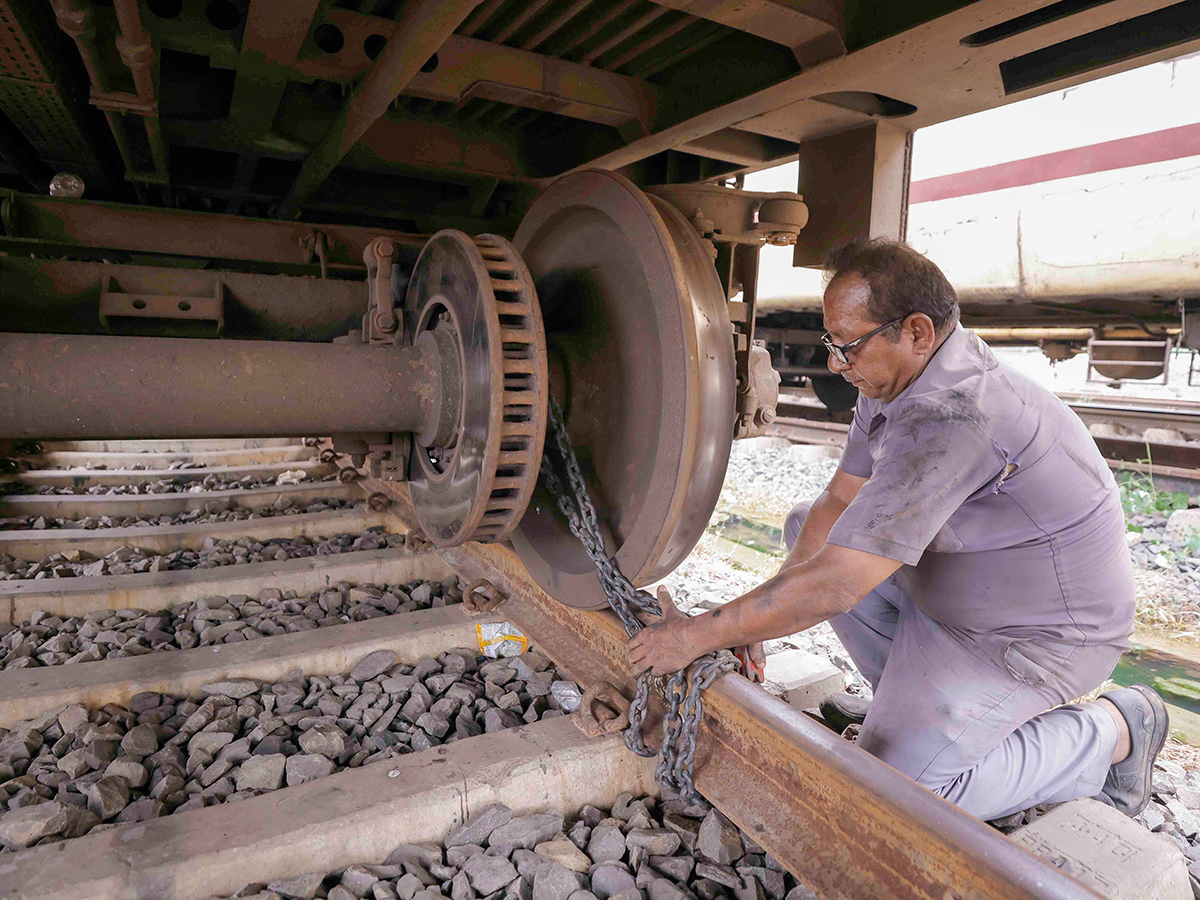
(976, 716)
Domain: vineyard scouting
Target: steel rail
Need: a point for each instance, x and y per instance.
(1184, 410)
(1180, 462)
(1140, 417)
(805, 423)
(847, 824)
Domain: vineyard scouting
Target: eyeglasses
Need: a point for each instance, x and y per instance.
(841, 352)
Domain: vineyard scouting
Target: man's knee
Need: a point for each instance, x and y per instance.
(794, 522)
(926, 750)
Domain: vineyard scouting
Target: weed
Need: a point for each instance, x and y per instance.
(1139, 496)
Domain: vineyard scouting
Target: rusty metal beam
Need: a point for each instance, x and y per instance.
(927, 66)
(425, 27)
(64, 295)
(742, 148)
(468, 69)
(393, 144)
(138, 54)
(856, 186)
(844, 822)
(274, 33)
(46, 224)
(811, 29)
(82, 386)
(639, 22)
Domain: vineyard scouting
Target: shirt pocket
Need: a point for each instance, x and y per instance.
(945, 541)
(1031, 662)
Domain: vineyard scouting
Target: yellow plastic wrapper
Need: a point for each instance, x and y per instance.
(498, 639)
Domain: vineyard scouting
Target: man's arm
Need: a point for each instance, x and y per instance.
(838, 494)
(797, 598)
(816, 582)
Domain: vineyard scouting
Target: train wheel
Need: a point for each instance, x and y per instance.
(641, 360)
(835, 392)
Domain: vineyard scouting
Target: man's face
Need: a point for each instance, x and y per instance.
(879, 368)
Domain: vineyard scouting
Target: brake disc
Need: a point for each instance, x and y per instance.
(640, 351)
(470, 479)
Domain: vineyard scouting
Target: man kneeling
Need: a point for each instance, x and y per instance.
(970, 554)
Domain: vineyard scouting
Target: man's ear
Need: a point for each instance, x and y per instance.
(924, 335)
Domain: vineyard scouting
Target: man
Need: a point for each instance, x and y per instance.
(970, 554)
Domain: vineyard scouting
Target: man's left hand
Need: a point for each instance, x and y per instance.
(665, 647)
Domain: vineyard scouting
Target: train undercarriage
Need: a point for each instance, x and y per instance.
(416, 229)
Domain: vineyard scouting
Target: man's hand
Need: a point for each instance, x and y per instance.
(666, 647)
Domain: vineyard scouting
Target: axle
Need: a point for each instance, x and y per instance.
(82, 386)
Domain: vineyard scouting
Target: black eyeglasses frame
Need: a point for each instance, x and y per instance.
(840, 351)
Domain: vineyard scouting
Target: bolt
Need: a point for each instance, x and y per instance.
(385, 320)
(379, 501)
(765, 415)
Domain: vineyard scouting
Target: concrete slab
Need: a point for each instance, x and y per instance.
(26, 693)
(359, 815)
(162, 460)
(168, 444)
(801, 678)
(36, 545)
(75, 596)
(121, 505)
(1108, 852)
(80, 477)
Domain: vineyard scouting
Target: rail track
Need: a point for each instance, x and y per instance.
(841, 822)
(1157, 437)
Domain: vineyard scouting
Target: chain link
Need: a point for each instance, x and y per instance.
(563, 478)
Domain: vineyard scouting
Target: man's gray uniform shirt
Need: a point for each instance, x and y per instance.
(991, 492)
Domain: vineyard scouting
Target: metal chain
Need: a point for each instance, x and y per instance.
(564, 479)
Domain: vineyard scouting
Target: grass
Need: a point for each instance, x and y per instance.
(1140, 497)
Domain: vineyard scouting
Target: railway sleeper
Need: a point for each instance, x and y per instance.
(79, 480)
(151, 459)
(167, 445)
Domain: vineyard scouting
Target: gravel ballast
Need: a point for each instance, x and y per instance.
(1153, 547)
(72, 771)
(641, 849)
(214, 553)
(49, 640)
(212, 511)
(183, 484)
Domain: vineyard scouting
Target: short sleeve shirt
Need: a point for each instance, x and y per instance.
(992, 494)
